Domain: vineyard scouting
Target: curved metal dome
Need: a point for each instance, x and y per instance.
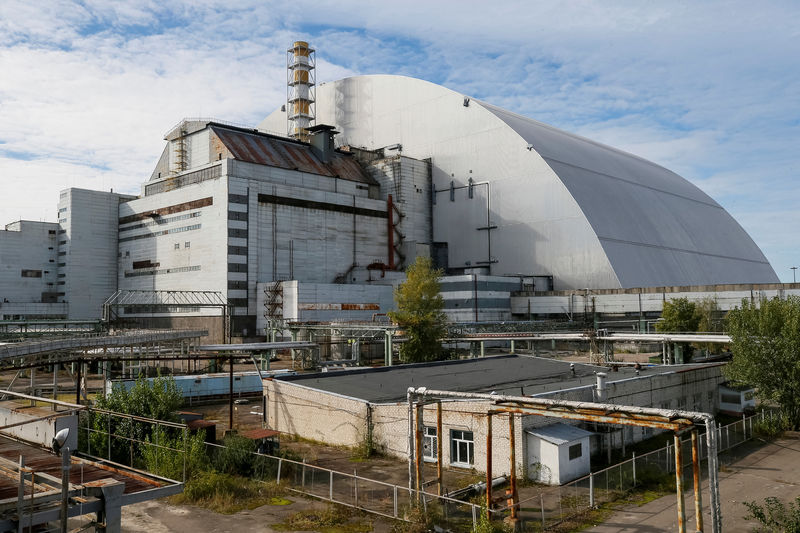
(586, 213)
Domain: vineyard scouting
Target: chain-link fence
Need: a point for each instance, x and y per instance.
(152, 445)
(541, 508)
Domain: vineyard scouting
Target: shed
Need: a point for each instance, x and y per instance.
(557, 453)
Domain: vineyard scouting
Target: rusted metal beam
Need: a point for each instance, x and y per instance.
(439, 474)
(418, 448)
(513, 466)
(489, 466)
(599, 415)
(679, 484)
(698, 493)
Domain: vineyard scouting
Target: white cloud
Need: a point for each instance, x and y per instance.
(710, 90)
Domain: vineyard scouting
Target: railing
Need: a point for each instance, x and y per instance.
(116, 438)
(551, 506)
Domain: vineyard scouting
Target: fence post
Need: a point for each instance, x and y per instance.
(667, 461)
(330, 488)
(395, 506)
(355, 486)
(727, 436)
(591, 490)
(474, 517)
(541, 499)
(280, 462)
(303, 476)
(633, 462)
(185, 452)
(744, 426)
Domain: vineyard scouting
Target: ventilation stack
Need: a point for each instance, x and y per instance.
(300, 63)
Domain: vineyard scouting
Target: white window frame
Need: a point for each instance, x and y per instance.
(429, 444)
(458, 437)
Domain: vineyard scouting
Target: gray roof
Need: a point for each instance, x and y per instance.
(655, 227)
(505, 374)
(559, 433)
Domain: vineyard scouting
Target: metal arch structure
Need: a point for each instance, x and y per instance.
(149, 300)
(666, 419)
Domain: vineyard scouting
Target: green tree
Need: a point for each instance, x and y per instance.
(159, 400)
(765, 339)
(708, 322)
(419, 312)
(679, 314)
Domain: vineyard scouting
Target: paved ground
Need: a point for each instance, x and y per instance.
(769, 470)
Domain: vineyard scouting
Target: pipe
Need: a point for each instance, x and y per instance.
(390, 230)
(698, 417)
(410, 397)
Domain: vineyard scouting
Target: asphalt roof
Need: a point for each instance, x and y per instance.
(559, 433)
(504, 374)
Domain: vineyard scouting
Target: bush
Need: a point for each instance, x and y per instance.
(775, 516)
(228, 494)
(167, 458)
(771, 427)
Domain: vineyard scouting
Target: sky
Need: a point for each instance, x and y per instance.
(710, 90)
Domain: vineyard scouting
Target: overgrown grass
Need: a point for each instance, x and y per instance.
(332, 519)
(228, 494)
(771, 427)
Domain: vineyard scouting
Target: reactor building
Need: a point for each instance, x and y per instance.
(318, 221)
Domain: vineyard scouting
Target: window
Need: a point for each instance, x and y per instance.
(31, 273)
(462, 448)
(177, 246)
(429, 443)
(187, 244)
(575, 451)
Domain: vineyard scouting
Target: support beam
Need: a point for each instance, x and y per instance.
(439, 437)
(488, 466)
(513, 467)
(418, 448)
(679, 484)
(698, 493)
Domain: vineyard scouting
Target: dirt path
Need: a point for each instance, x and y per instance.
(771, 470)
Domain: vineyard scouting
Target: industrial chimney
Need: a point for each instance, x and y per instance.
(300, 92)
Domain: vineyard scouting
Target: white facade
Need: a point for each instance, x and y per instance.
(87, 249)
(28, 271)
(515, 196)
(557, 453)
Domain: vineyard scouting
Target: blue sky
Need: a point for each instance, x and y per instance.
(710, 89)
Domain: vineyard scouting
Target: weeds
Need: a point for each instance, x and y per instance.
(332, 519)
(227, 494)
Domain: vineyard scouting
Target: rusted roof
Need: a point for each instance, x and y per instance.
(82, 471)
(200, 424)
(256, 434)
(264, 149)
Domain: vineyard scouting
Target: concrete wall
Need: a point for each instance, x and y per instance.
(42, 431)
(307, 413)
(28, 269)
(87, 252)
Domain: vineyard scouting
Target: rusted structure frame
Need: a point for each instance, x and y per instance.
(674, 420)
(489, 465)
(439, 476)
(679, 483)
(698, 494)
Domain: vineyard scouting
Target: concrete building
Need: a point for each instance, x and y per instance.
(345, 408)
(514, 196)
(28, 271)
(320, 230)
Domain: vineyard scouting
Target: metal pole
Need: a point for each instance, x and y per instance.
(418, 449)
(713, 479)
(409, 397)
(591, 490)
(698, 494)
(65, 464)
(488, 465)
(633, 463)
(513, 470)
(679, 484)
(230, 397)
(439, 475)
(78, 383)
